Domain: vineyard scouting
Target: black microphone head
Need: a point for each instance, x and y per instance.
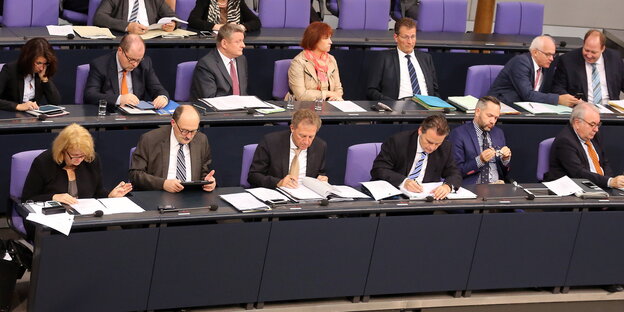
(70, 36)
(42, 117)
(429, 199)
(447, 110)
(563, 44)
(251, 111)
(98, 213)
(530, 197)
(214, 207)
(324, 202)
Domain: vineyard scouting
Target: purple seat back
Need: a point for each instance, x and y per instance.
(45, 12)
(479, 79)
(360, 159)
(543, 158)
(442, 15)
(248, 153)
(130, 160)
(17, 13)
(183, 9)
(364, 14)
(519, 18)
(284, 13)
(184, 77)
(82, 72)
(93, 5)
(333, 7)
(280, 78)
(20, 165)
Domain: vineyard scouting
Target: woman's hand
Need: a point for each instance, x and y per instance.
(64, 198)
(121, 189)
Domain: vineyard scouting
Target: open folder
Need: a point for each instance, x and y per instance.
(311, 189)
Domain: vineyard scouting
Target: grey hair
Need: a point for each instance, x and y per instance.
(538, 42)
(484, 100)
(226, 31)
(580, 111)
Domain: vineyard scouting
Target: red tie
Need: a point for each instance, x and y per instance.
(537, 77)
(234, 76)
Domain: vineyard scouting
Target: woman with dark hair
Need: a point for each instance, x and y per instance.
(313, 73)
(212, 14)
(26, 83)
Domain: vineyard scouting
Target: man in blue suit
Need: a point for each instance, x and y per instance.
(479, 147)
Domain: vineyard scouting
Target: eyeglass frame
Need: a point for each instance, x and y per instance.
(83, 156)
(131, 60)
(548, 55)
(592, 124)
(186, 132)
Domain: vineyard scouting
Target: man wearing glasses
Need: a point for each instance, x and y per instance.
(167, 156)
(401, 73)
(528, 77)
(125, 77)
(578, 151)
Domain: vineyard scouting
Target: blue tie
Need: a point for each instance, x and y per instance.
(181, 165)
(412, 73)
(418, 167)
(597, 92)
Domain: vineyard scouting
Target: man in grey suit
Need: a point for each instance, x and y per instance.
(223, 71)
(125, 77)
(122, 15)
(167, 156)
(401, 73)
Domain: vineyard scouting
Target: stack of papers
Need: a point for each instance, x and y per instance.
(543, 108)
(147, 108)
(617, 105)
(108, 206)
(311, 188)
(93, 32)
(61, 222)
(177, 33)
(347, 106)
(431, 102)
(428, 188)
(273, 109)
(468, 104)
(64, 30)
(563, 186)
(245, 202)
(381, 189)
(165, 20)
(267, 195)
(234, 102)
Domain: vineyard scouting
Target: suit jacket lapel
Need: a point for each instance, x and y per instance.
(195, 159)
(396, 72)
(310, 70)
(20, 88)
(582, 73)
(411, 152)
(242, 75)
(113, 74)
(472, 133)
(284, 149)
(165, 152)
(221, 67)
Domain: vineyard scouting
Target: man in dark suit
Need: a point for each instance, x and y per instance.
(410, 158)
(125, 77)
(283, 158)
(121, 15)
(593, 72)
(223, 71)
(528, 77)
(401, 73)
(479, 146)
(578, 151)
(172, 154)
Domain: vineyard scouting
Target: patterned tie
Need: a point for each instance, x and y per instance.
(135, 12)
(124, 82)
(412, 73)
(235, 86)
(294, 165)
(416, 173)
(594, 157)
(537, 78)
(597, 92)
(181, 166)
(485, 171)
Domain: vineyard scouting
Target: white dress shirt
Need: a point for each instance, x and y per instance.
(421, 176)
(29, 88)
(405, 85)
(142, 14)
(603, 81)
(173, 158)
(537, 84)
(303, 159)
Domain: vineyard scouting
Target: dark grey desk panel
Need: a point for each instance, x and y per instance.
(615, 39)
(518, 250)
(93, 271)
(422, 253)
(598, 251)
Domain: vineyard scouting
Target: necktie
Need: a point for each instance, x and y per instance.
(596, 90)
(124, 82)
(235, 87)
(294, 165)
(594, 157)
(537, 78)
(485, 170)
(412, 74)
(135, 12)
(416, 173)
(181, 165)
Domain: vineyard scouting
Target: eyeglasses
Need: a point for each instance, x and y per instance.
(131, 60)
(72, 157)
(186, 132)
(548, 55)
(406, 37)
(42, 63)
(592, 124)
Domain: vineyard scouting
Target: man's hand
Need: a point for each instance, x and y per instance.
(617, 182)
(173, 186)
(289, 182)
(160, 102)
(568, 100)
(27, 106)
(136, 28)
(505, 152)
(169, 26)
(487, 155)
(128, 98)
(64, 198)
(323, 178)
(441, 191)
(412, 186)
(210, 177)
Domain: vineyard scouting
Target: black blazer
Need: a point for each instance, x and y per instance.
(567, 157)
(384, 75)
(270, 162)
(103, 81)
(12, 89)
(113, 14)
(199, 15)
(397, 156)
(47, 178)
(571, 77)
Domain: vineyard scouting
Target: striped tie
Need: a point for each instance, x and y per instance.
(418, 167)
(597, 92)
(412, 73)
(181, 167)
(485, 170)
(135, 12)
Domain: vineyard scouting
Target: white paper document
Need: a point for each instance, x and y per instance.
(244, 202)
(166, 20)
(347, 106)
(87, 206)
(563, 186)
(61, 222)
(603, 109)
(64, 30)
(428, 188)
(266, 194)
(543, 108)
(93, 32)
(381, 189)
(301, 193)
(234, 102)
(120, 205)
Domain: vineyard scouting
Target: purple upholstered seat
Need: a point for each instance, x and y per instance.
(45, 12)
(17, 13)
(479, 79)
(183, 9)
(20, 165)
(184, 77)
(543, 157)
(519, 18)
(284, 13)
(333, 7)
(360, 159)
(248, 153)
(93, 5)
(280, 78)
(82, 72)
(442, 15)
(364, 14)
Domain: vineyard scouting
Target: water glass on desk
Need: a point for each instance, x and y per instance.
(102, 107)
(318, 105)
(290, 105)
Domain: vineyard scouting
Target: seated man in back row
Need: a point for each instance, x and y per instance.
(283, 158)
(122, 15)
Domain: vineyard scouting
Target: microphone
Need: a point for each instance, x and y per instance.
(251, 111)
(563, 44)
(324, 202)
(213, 207)
(42, 117)
(70, 36)
(170, 208)
(530, 195)
(98, 213)
(447, 110)
(429, 199)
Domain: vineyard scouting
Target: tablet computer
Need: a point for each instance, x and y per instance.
(196, 183)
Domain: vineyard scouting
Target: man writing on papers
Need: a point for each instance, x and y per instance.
(223, 71)
(125, 77)
(172, 154)
(578, 151)
(410, 158)
(283, 158)
(528, 77)
(132, 16)
(479, 146)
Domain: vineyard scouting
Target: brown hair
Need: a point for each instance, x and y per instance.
(591, 32)
(314, 33)
(73, 136)
(437, 122)
(404, 22)
(485, 99)
(128, 40)
(177, 113)
(34, 48)
(306, 116)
